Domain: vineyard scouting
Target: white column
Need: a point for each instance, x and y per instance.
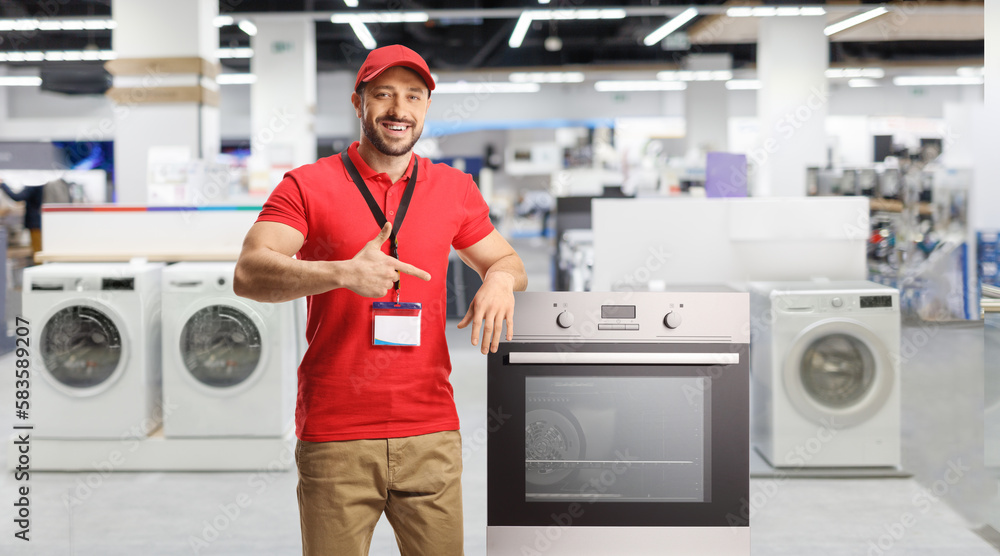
(984, 209)
(283, 99)
(706, 105)
(151, 109)
(792, 58)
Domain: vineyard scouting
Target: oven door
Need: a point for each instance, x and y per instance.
(618, 435)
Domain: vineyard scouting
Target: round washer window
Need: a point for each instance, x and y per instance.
(837, 370)
(81, 346)
(220, 346)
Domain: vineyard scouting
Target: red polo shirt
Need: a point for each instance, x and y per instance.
(349, 389)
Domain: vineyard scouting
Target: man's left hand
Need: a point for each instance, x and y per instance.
(494, 303)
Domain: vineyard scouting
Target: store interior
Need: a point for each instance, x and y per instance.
(832, 161)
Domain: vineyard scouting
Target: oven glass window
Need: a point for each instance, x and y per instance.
(837, 370)
(616, 439)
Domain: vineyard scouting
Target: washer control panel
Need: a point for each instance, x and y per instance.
(620, 316)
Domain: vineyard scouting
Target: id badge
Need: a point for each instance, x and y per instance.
(395, 324)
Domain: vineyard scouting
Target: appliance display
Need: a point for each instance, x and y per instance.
(825, 367)
(229, 363)
(626, 415)
(96, 335)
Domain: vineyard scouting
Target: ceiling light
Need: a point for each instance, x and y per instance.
(931, 80)
(98, 24)
(849, 73)
(854, 20)
(248, 27)
(547, 77)
(649, 85)
(485, 88)
(704, 75)
(20, 81)
(56, 24)
(234, 53)
(527, 16)
(223, 20)
(862, 82)
(520, 30)
(364, 35)
(381, 17)
(670, 26)
(235, 78)
(351, 3)
(771, 11)
(743, 84)
(967, 71)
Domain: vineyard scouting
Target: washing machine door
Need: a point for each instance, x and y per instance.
(220, 345)
(82, 349)
(838, 373)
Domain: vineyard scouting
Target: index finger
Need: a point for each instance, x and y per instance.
(412, 270)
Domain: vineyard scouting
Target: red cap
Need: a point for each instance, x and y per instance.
(381, 59)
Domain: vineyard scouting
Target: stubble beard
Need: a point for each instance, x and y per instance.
(382, 145)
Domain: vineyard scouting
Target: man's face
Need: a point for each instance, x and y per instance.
(393, 109)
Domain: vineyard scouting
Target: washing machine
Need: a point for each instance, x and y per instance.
(229, 363)
(95, 341)
(825, 367)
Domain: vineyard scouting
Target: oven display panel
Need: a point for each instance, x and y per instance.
(617, 311)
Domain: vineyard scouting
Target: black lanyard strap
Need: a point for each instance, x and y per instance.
(380, 218)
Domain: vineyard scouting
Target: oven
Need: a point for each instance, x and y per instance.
(619, 425)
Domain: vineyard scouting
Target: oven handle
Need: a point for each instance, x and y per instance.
(603, 358)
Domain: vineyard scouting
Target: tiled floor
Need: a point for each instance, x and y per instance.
(194, 513)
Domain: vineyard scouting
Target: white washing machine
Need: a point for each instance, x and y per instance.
(95, 337)
(229, 363)
(825, 368)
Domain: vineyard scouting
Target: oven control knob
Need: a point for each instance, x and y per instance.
(672, 320)
(565, 319)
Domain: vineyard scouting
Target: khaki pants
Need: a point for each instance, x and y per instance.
(345, 486)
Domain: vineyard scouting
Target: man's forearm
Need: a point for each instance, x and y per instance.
(511, 265)
(271, 277)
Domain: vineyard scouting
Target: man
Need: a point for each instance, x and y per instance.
(377, 425)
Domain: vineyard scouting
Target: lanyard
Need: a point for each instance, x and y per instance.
(380, 218)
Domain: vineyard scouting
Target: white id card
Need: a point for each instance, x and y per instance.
(395, 324)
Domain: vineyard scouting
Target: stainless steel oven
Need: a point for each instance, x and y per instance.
(620, 425)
